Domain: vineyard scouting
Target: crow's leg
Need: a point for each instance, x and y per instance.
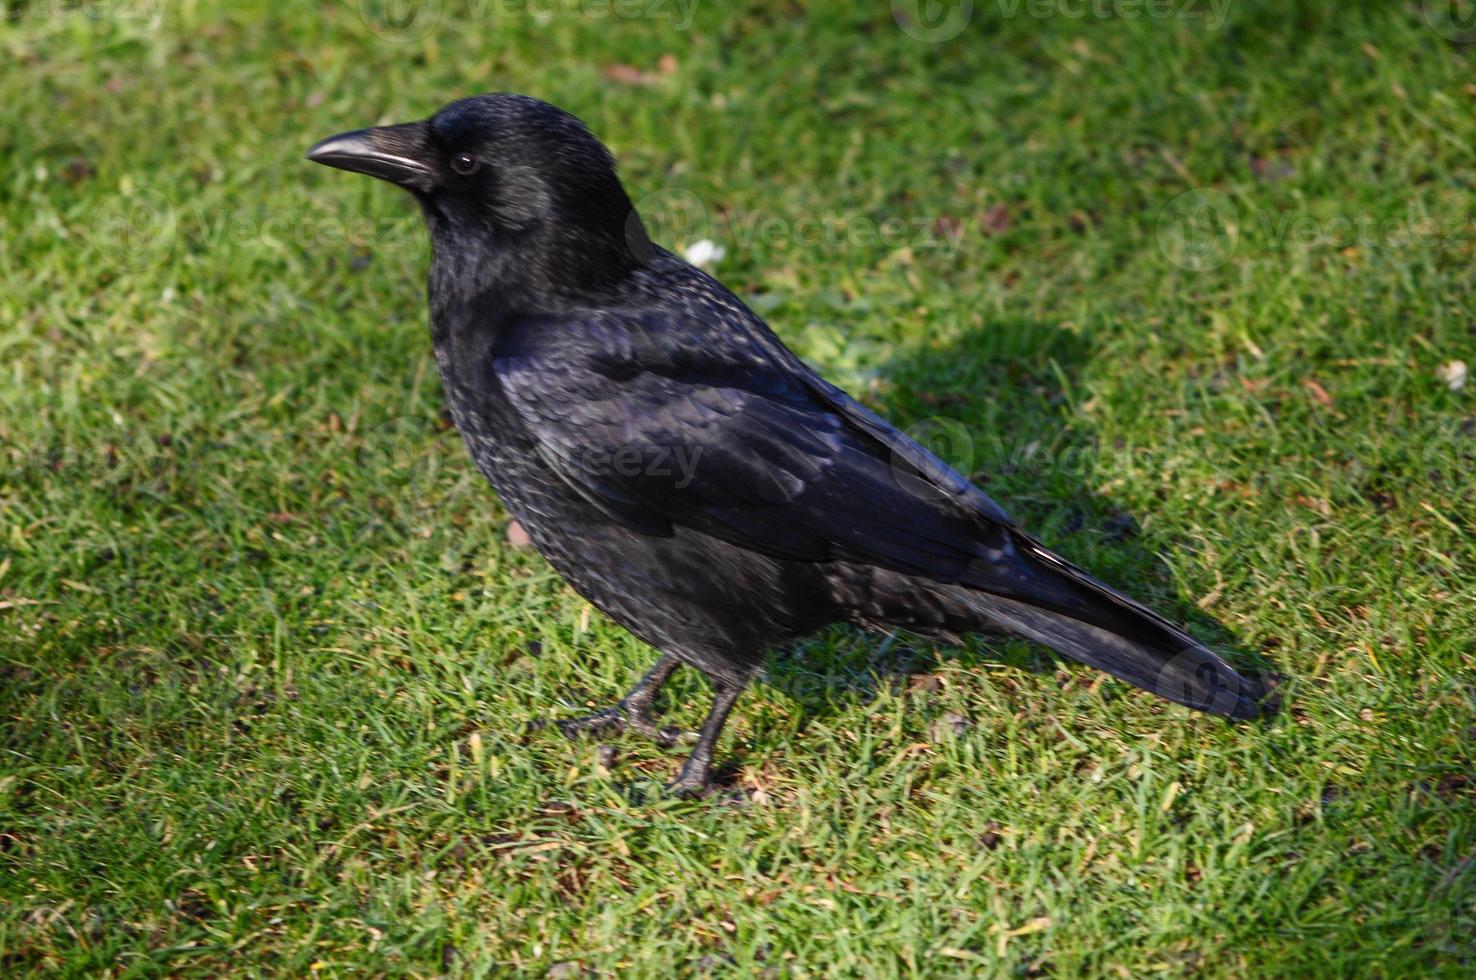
(633, 711)
(693, 778)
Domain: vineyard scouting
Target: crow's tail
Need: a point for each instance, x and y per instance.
(1040, 595)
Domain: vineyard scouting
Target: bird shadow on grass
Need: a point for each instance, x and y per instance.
(992, 404)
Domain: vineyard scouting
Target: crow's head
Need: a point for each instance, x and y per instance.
(508, 174)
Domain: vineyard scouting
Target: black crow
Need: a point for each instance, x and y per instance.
(679, 466)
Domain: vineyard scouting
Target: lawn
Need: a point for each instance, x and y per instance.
(1184, 284)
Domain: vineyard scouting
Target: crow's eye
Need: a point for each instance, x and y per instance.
(464, 163)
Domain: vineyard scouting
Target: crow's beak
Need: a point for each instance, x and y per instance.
(398, 154)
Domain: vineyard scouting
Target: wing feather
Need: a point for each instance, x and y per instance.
(783, 463)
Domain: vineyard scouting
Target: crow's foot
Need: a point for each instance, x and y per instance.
(690, 786)
(611, 719)
(620, 717)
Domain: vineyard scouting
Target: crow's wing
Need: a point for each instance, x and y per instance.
(660, 423)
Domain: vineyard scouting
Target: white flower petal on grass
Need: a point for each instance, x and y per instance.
(704, 252)
(1453, 374)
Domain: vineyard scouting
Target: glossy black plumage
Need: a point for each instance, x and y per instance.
(679, 465)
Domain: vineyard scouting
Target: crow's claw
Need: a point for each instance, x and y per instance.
(690, 787)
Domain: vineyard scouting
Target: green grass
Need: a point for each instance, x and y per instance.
(267, 661)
